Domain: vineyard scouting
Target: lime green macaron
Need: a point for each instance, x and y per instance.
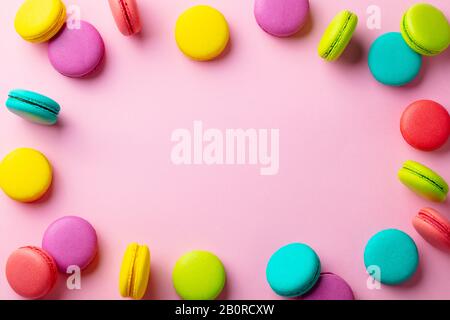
(423, 181)
(426, 29)
(337, 35)
(199, 275)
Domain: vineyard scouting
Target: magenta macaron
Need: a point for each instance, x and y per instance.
(281, 18)
(71, 241)
(77, 52)
(433, 227)
(330, 287)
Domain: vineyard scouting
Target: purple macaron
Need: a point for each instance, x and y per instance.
(281, 18)
(330, 287)
(71, 241)
(77, 52)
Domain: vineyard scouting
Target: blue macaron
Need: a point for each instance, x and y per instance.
(293, 270)
(391, 257)
(392, 62)
(33, 106)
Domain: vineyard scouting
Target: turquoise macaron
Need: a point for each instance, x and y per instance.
(391, 257)
(392, 62)
(293, 270)
(33, 106)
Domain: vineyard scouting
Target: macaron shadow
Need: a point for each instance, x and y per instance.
(355, 52)
(412, 282)
(155, 282)
(146, 25)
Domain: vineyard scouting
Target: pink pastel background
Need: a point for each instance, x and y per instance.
(340, 149)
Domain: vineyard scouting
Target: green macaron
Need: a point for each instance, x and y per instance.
(423, 181)
(33, 106)
(426, 29)
(337, 35)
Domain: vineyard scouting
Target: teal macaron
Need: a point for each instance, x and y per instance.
(33, 106)
(391, 257)
(392, 62)
(293, 270)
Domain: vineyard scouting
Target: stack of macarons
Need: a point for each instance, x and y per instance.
(68, 244)
(75, 50)
(395, 58)
(294, 270)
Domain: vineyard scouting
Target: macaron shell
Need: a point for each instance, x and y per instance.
(33, 106)
(31, 272)
(199, 275)
(126, 16)
(25, 175)
(426, 29)
(330, 287)
(293, 270)
(141, 273)
(425, 125)
(40, 20)
(423, 181)
(31, 112)
(126, 270)
(433, 227)
(135, 271)
(281, 18)
(337, 35)
(36, 98)
(394, 253)
(77, 52)
(392, 62)
(202, 33)
(71, 241)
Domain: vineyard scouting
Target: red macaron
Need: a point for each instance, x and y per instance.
(425, 125)
(433, 227)
(31, 272)
(126, 15)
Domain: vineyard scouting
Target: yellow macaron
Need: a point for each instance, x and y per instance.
(25, 175)
(202, 33)
(135, 271)
(40, 20)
